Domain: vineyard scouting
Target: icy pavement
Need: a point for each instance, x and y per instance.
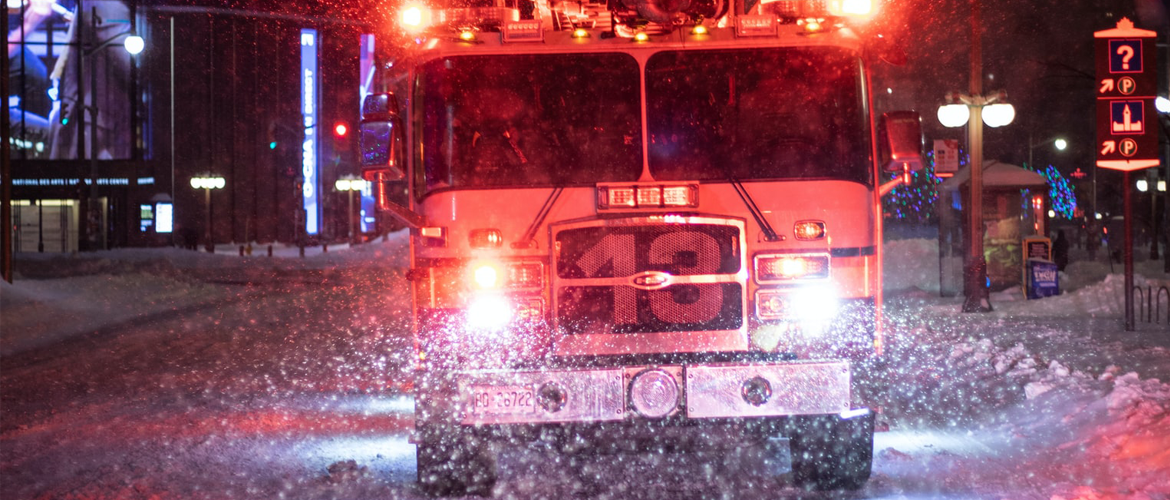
(174, 374)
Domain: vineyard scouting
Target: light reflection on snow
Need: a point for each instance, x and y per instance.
(932, 441)
(378, 404)
(361, 404)
(362, 448)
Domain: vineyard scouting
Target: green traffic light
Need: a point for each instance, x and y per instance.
(64, 121)
(272, 145)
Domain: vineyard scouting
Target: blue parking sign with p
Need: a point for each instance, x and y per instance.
(1125, 55)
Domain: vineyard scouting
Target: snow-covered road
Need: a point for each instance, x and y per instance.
(169, 374)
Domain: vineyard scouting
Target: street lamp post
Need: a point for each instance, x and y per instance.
(1058, 142)
(134, 45)
(975, 109)
(1154, 186)
(207, 182)
(349, 184)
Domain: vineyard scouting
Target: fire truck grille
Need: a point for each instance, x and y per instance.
(644, 275)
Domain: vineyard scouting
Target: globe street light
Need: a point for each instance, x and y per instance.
(207, 182)
(134, 44)
(349, 184)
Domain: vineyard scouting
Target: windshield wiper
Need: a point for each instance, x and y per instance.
(527, 240)
(769, 233)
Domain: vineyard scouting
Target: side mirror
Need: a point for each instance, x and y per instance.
(380, 138)
(381, 142)
(900, 137)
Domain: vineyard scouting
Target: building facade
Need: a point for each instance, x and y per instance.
(105, 143)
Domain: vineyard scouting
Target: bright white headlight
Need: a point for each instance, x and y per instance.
(817, 304)
(489, 312)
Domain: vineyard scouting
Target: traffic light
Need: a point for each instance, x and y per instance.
(342, 149)
(271, 135)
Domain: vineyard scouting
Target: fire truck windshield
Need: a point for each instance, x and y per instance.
(765, 113)
(528, 120)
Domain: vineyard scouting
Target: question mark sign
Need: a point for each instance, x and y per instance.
(1126, 54)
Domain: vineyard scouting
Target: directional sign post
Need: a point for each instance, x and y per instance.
(1127, 131)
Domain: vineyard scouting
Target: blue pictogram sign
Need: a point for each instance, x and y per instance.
(1125, 56)
(1127, 117)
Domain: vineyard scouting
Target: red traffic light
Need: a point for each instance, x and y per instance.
(340, 129)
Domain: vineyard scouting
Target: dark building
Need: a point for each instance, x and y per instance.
(215, 91)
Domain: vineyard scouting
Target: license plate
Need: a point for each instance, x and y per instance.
(502, 400)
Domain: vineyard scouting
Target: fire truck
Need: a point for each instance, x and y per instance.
(641, 223)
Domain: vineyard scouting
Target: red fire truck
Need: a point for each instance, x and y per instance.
(641, 221)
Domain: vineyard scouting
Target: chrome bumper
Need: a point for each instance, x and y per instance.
(704, 392)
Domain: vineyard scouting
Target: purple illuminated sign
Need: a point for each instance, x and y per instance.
(310, 171)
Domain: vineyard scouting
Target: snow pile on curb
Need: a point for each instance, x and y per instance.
(903, 265)
(1121, 423)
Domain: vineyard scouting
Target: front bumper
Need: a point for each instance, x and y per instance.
(696, 391)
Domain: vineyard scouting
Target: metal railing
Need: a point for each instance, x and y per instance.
(1150, 301)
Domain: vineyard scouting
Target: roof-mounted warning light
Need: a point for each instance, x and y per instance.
(793, 10)
(415, 18)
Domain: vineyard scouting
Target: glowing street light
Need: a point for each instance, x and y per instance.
(134, 44)
(1058, 142)
(1143, 186)
(954, 115)
(207, 182)
(995, 111)
(349, 184)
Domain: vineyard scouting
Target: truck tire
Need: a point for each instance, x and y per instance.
(454, 465)
(831, 453)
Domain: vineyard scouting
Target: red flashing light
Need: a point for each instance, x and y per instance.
(340, 129)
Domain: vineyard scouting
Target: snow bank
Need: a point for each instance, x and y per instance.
(391, 252)
(910, 264)
(57, 296)
(1120, 423)
(1092, 289)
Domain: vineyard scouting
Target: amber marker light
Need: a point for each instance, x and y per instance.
(580, 33)
(809, 230)
(641, 37)
(699, 29)
(812, 25)
(467, 35)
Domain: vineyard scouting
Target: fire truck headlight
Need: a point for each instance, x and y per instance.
(486, 275)
(782, 268)
(489, 312)
(815, 304)
(809, 306)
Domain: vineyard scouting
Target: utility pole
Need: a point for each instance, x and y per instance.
(976, 272)
(5, 179)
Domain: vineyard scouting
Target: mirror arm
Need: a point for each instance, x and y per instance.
(412, 219)
(889, 186)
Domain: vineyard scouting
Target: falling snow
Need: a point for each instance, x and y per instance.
(174, 374)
